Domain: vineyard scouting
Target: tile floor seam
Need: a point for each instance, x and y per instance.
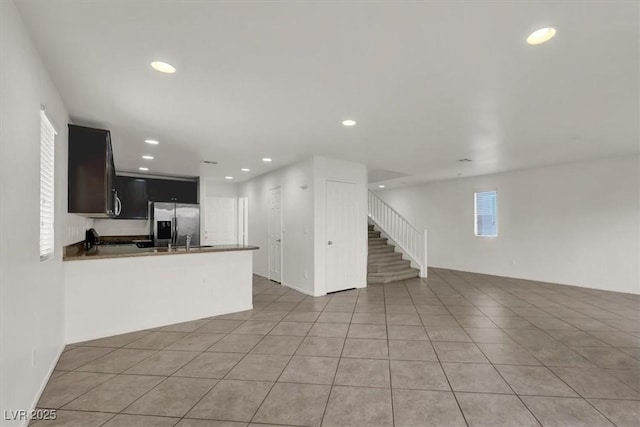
(508, 384)
(386, 313)
(335, 374)
(232, 367)
(581, 397)
(511, 387)
(538, 307)
(281, 372)
(61, 407)
(455, 293)
(92, 360)
(223, 378)
(169, 376)
(464, 416)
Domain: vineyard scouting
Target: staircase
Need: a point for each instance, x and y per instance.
(384, 264)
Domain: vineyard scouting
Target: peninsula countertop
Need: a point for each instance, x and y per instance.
(78, 252)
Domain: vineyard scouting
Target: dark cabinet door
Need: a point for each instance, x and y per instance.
(170, 190)
(134, 197)
(91, 172)
(110, 177)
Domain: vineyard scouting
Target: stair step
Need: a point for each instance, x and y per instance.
(384, 256)
(390, 262)
(377, 249)
(374, 234)
(384, 266)
(392, 276)
(376, 241)
(370, 227)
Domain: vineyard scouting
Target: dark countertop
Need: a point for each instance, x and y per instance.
(77, 251)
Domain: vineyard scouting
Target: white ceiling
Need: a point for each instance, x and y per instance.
(428, 82)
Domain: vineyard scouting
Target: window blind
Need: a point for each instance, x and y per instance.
(486, 212)
(47, 186)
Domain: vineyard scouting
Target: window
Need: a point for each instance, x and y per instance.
(486, 213)
(47, 139)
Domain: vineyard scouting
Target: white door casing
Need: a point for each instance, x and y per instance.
(220, 221)
(243, 220)
(342, 235)
(275, 234)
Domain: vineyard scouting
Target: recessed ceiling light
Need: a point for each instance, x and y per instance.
(147, 157)
(348, 123)
(228, 177)
(267, 159)
(245, 169)
(380, 186)
(541, 36)
(151, 141)
(143, 169)
(163, 67)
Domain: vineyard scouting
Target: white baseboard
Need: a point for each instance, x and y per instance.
(44, 383)
(301, 290)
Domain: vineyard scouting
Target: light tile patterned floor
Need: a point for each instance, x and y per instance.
(457, 349)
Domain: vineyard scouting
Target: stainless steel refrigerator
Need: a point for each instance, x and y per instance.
(172, 222)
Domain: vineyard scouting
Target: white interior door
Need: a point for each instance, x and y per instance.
(275, 235)
(341, 220)
(243, 220)
(220, 221)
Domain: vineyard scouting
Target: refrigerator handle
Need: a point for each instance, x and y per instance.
(174, 238)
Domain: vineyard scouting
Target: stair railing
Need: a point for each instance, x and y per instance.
(408, 238)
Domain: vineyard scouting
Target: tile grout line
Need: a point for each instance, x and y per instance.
(219, 380)
(580, 396)
(335, 374)
(171, 375)
(455, 397)
(285, 367)
(458, 289)
(553, 373)
(386, 328)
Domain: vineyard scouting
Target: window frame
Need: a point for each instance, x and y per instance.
(475, 213)
(48, 135)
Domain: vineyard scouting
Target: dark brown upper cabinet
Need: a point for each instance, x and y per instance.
(92, 172)
(170, 190)
(134, 197)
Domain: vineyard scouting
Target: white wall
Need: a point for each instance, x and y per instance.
(324, 169)
(210, 187)
(121, 227)
(297, 223)
(303, 217)
(575, 224)
(31, 292)
(153, 291)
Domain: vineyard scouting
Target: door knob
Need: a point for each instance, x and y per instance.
(330, 243)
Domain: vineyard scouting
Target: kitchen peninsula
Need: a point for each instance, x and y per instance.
(120, 289)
